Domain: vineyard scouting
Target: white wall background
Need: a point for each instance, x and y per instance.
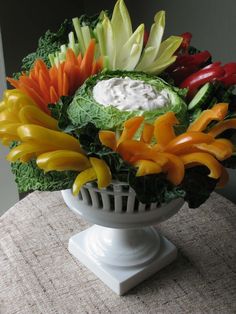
(8, 189)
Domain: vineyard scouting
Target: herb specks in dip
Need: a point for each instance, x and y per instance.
(127, 94)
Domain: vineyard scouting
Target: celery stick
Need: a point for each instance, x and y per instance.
(79, 35)
(86, 35)
(72, 41)
(100, 36)
(51, 59)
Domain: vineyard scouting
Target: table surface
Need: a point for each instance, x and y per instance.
(38, 274)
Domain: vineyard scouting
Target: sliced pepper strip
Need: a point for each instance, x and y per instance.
(24, 149)
(34, 115)
(130, 128)
(174, 168)
(146, 167)
(220, 148)
(222, 126)
(83, 178)
(163, 128)
(204, 159)
(147, 133)
(62, 160)
(132, 151)
(108, 138)
(181, 142)
(55, 139)
(218, 112)
(102, 171)
(7, 115)
(9, 129)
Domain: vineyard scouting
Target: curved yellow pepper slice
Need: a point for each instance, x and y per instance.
(34, 115)
(8, 116)
(83, 178)
(181, 142)
(23, 149)
(61, 160)
(130, 128)
(108, 138)
(217, 112)
(223, 126)
(146, 167)
(102, 171)
(15, 100)
(54, 139)
(204, 159)
(9, 129)
(164, 128)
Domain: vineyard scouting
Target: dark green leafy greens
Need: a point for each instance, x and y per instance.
(29, 178)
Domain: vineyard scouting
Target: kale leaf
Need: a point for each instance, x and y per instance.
(29, 178)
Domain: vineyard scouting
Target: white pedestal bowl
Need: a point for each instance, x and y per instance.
(122, 248)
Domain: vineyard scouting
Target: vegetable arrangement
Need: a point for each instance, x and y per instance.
(61, 137)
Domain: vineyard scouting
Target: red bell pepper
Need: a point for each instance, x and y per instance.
(201, 77)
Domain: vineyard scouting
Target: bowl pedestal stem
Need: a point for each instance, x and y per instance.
(122, 258)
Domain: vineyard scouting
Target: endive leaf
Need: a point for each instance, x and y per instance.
(154, 41)
(129, 54)
(161, 66)
(109, 42)
(121, 23)
(168, 47)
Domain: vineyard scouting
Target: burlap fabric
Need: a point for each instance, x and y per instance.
(38, 275)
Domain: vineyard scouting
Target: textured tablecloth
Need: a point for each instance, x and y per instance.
(38, 274)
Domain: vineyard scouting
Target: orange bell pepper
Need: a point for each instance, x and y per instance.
(217, 112)
(132, 151)
(147, 133)
(220, 148)
(174, 168)
(130, 128)
(183, 141)
(108, 138)
(222, 126)
(163, 128)
(146, 167)
(204, 159)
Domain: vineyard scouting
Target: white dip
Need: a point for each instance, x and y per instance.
(127, 94)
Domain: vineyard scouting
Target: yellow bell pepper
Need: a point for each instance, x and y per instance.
(147, 133)
(217, 112)
(56, 140)
(220, 148)
(61, 160)
(183, 141)
(222, 126)
(108, 138)
(164, 128)
(15, 100)
(146, 167)
(102, 171)
(9, 130)
(204, 159)
(8, 116)
(23, 149)
(34, 115)
(130, 128)
(83, 178)
(174, 168)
